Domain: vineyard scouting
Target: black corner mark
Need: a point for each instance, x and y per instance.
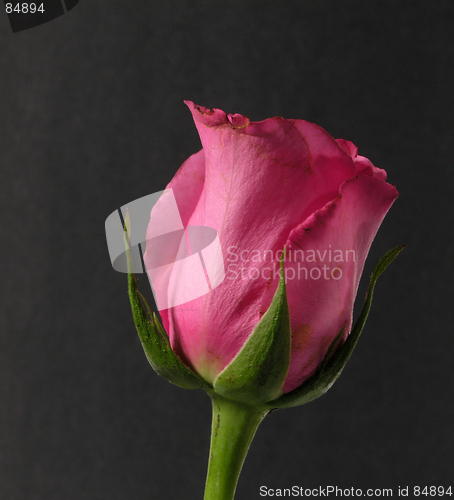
(24, 15)
(70, 4)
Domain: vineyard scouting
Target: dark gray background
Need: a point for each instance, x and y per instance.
(91, 117)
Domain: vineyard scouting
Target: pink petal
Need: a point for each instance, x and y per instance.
(362, 164)
(187, 185)
(320, 308)
(348, 147)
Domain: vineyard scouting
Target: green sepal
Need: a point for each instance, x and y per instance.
(258, 371)
(333, 364)
(153, 337)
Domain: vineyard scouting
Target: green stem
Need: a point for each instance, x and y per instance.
(233, 427)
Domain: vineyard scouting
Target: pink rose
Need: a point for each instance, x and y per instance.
(262, 186)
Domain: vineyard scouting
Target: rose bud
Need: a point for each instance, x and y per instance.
(295, 212)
